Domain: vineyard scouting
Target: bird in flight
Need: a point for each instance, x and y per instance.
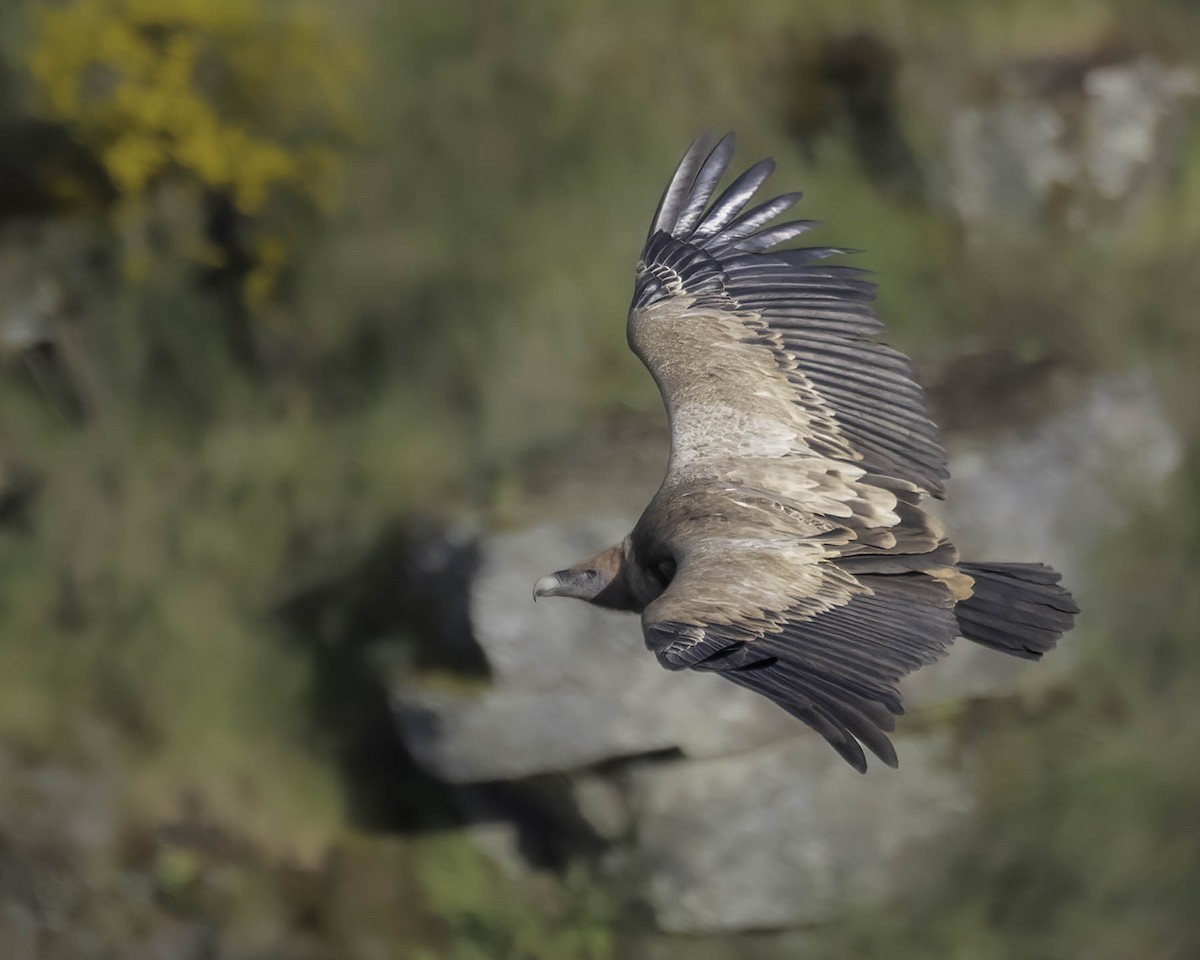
(787, 549)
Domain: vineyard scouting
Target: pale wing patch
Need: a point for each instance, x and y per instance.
(745, 584)
(823, 487)
(727, 398)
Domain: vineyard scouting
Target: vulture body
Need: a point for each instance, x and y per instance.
(787, 549)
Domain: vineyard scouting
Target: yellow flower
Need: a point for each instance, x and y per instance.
(241, 96)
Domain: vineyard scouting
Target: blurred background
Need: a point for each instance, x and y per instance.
(312, 358)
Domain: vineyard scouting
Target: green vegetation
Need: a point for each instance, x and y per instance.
(276, 278)
(491, 917)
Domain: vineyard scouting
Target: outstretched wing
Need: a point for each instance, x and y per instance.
(804, 567)
(766, 352)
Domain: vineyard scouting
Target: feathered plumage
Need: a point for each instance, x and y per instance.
(787, 549)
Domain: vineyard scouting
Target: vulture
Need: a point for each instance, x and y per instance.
(787, 549)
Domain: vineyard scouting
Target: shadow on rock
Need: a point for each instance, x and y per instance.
(403, 601)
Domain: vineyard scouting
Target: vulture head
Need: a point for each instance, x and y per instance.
(598, 579)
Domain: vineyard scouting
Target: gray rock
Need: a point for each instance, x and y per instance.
(1132, 110)
(970, 671)
(1006, 159)
(757, 945)
(18, 931)
(572, 685)
(1065, 137)
(177, 941)
(602, 804)
(756, 823)
(57, 824)
(788, 834)
(1048, 492)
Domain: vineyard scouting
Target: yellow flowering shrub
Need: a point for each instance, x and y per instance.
(252, 98)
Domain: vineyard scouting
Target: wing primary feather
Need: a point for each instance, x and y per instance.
(857, 356)
(769, 263)
(765, 239)
(804, 708)
(676, 194)
(702, 189)
(876, 710)
(736, 196)
(802, 285)
(756, 217)
(884, 417)
(869, 381)
(861, 727)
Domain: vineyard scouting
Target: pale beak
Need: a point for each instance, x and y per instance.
(546, 587)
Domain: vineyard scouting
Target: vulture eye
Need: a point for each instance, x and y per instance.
(589, 574)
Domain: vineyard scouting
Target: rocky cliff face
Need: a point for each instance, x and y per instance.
(706, 802)
(1071, 139)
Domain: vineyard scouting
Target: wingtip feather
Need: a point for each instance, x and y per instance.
(676, 194)
(703, 186)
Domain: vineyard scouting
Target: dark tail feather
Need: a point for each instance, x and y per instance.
(1017, 608)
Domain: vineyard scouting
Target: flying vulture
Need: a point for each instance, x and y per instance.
(787, 549)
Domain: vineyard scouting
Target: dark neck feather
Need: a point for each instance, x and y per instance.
(617, 595)
(631, 588)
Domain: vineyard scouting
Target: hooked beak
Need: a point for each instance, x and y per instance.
(547, 587)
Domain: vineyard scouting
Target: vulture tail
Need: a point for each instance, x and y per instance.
(1016, 608)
